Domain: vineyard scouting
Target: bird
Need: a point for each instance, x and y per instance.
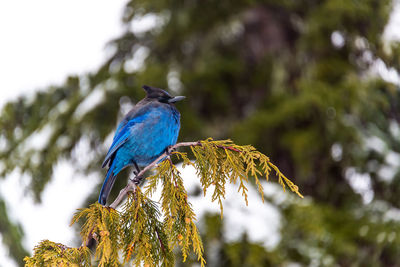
(148, 130)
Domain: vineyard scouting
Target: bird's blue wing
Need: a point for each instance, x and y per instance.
(122, 134)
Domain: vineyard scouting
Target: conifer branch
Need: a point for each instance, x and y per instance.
(159, 239)
(132, 184)
(145, 232)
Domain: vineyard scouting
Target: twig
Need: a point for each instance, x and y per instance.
(159, 239)
(90, 237)
(229, 147)
(132, 184)
(130, 187)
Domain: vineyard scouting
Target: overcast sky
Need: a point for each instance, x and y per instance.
(42, 42)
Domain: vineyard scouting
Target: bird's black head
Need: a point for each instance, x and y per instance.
(154, 93)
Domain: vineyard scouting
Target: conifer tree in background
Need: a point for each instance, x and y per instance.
(293, 78)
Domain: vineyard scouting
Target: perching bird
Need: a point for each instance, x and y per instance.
(148, 129)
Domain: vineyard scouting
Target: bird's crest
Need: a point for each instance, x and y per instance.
(153, 92)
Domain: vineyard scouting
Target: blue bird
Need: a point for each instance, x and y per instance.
(145, 132)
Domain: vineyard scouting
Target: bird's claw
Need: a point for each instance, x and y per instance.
(170, 149)
(136, 180)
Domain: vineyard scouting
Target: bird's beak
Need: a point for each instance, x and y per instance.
(176, 99)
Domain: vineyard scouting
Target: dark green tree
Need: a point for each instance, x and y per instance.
(293, 78)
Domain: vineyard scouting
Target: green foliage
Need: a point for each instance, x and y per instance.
(144, 238)
(147, 235)
(294, 78)
(334, 238)
(103, 225)
(232, 163)
(13, 236)
(179, 216)
(48, 253)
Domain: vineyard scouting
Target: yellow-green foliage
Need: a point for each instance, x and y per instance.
(48, 253)
(102, 224)
(144, 233)
(218, 162)
(144, 238)
(178, 214)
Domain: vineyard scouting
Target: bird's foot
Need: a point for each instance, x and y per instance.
(137, 170)
(136, 180)
(169, 150)
(135, 177)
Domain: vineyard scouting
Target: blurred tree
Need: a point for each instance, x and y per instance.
(293, 78)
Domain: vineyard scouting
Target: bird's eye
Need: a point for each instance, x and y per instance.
(164, 99)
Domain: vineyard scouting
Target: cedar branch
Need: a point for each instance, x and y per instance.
(132, 184)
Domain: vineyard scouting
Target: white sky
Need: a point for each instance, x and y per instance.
(41, 42)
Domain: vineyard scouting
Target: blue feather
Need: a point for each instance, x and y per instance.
(122, 135)
(107, 185)
(142, 136)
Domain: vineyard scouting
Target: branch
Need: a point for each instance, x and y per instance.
(132, 184)
(159, 239)
(130, 187)
(215, 167)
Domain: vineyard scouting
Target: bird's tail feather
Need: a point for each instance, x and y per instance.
(107, 185)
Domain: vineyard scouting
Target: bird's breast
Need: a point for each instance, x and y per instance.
(151, 137)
